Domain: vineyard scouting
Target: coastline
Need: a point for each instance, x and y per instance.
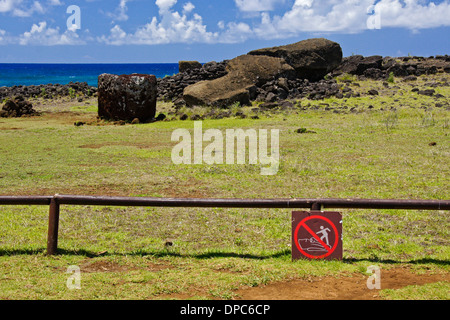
(357, 84)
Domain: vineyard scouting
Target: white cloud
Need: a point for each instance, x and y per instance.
(19, 8)
(165, 5)
(350, 16)
(172, 27)
(236, 33)
(413, 14)
(257, 5)
(311, 16)
(120, 13)
(29, 11)
(2, 37)
(188, 7)
(55, 3)
(8, 5)
(175, 27)
(40, 34)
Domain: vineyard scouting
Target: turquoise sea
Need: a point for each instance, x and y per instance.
(15, 74)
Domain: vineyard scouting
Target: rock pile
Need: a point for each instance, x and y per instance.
(313, 65)
(171, 88)
(49, 91)
(294, 89)
(17, 107)
(307, 60)
(378, 67)
(245, 73)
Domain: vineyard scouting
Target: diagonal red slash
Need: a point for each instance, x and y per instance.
(315, 236)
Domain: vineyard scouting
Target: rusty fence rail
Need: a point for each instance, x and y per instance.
(54, 202)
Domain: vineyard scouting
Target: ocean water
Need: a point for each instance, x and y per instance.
(15, 74)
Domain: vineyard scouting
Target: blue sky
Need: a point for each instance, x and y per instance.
(155, 31)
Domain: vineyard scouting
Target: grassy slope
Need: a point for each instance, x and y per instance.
(378, 152)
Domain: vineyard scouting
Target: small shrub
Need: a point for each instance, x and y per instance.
(346, 77)
(71, 92)
(391, 78)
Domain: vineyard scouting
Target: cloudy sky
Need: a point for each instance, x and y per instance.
(146, 31)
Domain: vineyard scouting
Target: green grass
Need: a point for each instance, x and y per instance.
(432, 291)
(85, 108)
(374, 152)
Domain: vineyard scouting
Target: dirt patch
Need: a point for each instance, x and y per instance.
(353, 287)
(110, 266)
(103, 266)
(67, 117)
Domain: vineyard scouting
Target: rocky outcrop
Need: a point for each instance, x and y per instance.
(127, 97)
(50, 91)
(184, 66)
(244, 74)
(291, 89)
(378, 68)
(312, 59)
(171, 88)
(247, 74)
(316, 63)
(17, 107)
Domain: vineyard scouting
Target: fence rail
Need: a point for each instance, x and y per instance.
(54, 203)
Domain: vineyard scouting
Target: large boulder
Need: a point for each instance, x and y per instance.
(238, 85)
(126, 97)
(312, 59)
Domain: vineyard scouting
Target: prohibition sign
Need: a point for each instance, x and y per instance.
(328, 248)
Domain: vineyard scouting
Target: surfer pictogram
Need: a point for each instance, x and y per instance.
(313, 245)
(316, 236)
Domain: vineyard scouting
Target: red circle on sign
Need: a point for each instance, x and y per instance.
(330, 251)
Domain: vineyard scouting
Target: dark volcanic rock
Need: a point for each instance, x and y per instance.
(244, 73)
(127, 97)
(49, 91)
(348, 65)
(184, 66)
(171, 88)
(426, 92)
(359, 65)
(17, 107)
(315, 62)
(271, 74)
(372, 62)
(312, 59)
(376, 67)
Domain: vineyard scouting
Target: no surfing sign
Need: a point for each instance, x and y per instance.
(316, 235)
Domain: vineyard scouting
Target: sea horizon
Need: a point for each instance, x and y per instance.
(27, 74)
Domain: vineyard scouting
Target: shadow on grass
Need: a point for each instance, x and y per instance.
(390, 261)
(207, 255)
(155, 253)
(169, 253)
(19, 252)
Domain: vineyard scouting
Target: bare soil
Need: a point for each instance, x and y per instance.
(343, 287)
(352, 287)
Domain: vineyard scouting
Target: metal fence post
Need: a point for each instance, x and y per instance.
(53, 224)
(316, 206)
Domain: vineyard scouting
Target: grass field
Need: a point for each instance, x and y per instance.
(395, 145)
